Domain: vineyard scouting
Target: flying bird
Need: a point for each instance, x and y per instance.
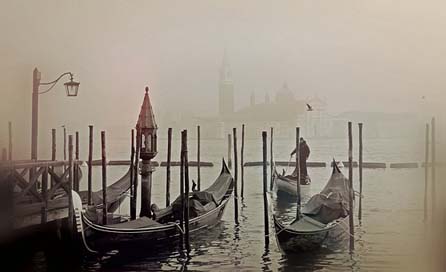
(309, 108)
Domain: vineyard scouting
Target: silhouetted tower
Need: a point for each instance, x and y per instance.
(252, 99)
(225, 89)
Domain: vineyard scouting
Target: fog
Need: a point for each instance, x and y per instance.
(378, 56)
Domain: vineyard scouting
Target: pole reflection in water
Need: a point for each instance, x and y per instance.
(387, 240)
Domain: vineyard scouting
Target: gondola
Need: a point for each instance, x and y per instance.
(205, 207)
(286, 185)
(116, 193)
(323, 220)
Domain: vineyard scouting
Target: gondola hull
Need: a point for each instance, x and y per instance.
(208, 207)
(287, 188)
(291, 241)
(105, 239)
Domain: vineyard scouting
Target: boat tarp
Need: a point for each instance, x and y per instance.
(142, 222)
(114, 191)
(200, 202)
(332, 202)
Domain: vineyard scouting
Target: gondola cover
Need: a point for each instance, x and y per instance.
(332, 202)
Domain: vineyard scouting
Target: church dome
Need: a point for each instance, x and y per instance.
(284, 95)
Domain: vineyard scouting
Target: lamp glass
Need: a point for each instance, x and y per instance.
(72, 88)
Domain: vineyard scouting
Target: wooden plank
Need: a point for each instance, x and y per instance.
(21, 165)
(31, 184)
(25, 185)
(374, 165)
(401, 165)
(347, 164)
(57, 209)
(59, 181)
(286, 163)
(191, 164)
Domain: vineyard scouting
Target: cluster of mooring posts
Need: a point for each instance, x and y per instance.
(298, 198)
(41, 191)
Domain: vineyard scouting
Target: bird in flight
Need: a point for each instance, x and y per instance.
(309, 108)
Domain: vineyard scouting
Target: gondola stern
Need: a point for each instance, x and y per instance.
(335, 167)
(224, 167)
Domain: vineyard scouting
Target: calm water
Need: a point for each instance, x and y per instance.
(386, 239)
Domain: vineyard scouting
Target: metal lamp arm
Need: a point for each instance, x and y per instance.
(54, 82)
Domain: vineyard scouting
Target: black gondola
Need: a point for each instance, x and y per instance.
(324, 218)
(286, 184)
(206, 209)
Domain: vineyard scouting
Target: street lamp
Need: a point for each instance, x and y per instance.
(71, 87)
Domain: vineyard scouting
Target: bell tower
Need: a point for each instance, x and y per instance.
(225, 89)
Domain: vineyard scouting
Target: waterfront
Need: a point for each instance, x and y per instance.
(386, 240)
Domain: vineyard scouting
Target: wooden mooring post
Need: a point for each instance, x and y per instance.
(182, 197)
(64, 143)
(298, 215)
(229, 151)
(53, 151)
(351, 191)
(10, 141)
(426, 170)
(242, 163)
(134, 197)
(90, 167)
(71, 225)
(186, 191)
(360, 172)
(265, 188)
(271, 159)
(104, 179)
(234, 134)
(132, 166)
(169, 158)
(198, 160)
(44, 209)
(433, 177)
(53, 144)
(76, 165)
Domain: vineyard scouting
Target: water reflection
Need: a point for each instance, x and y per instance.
(226, 247)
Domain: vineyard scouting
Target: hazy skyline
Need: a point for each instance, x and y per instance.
(359, 55)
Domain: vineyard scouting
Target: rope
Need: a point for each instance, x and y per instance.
(280, 231)
(179, 227)
(344, 229)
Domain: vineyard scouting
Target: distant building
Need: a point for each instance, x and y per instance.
(225, 89)
(284, 113)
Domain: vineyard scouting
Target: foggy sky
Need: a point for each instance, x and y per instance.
(360, 55)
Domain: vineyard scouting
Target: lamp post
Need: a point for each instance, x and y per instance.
(71, 88)
(146, 131)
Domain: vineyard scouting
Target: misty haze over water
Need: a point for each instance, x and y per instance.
(309, 63)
